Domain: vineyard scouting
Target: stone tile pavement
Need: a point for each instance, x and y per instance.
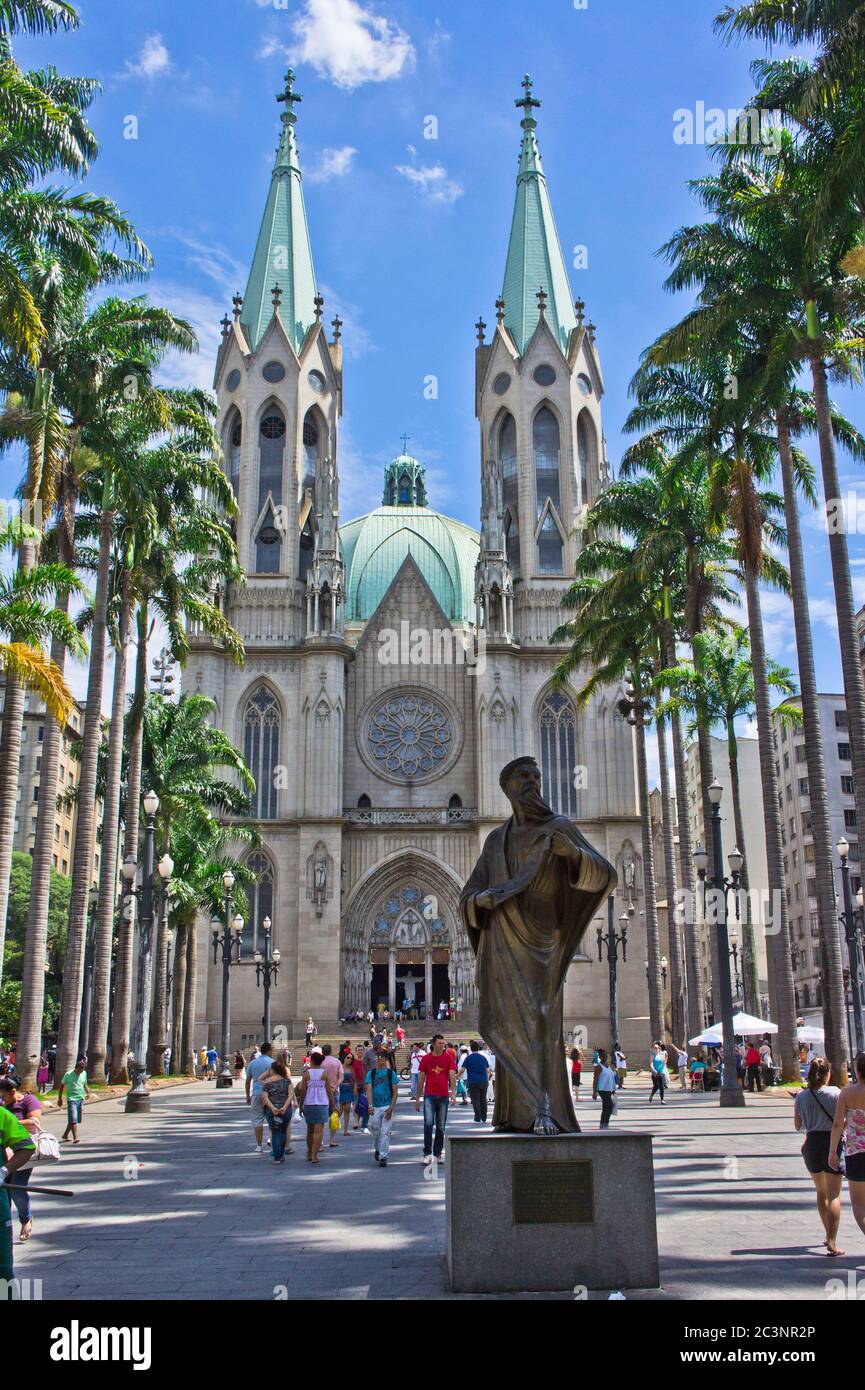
(176, 1205)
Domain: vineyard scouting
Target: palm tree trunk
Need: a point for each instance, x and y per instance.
(98, 1041)
(121, 1018)
(653, 942)
(777, 931)
(693, 957)
(677, 993)
(750, 971)
(159, 1011)
(854, 689)
(178, 997)
(30, 1022)
(36, 939)
(831, 951)
(82, 869)
(189, 1002)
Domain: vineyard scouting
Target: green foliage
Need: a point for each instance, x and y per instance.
(16, 928)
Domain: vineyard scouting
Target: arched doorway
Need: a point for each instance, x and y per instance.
(404, 943)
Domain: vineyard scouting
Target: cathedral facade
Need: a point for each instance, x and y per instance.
(396, 661)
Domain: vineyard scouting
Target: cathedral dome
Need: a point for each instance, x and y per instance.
(376, 545)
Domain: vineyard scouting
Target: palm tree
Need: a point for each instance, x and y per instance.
(720, 688)
(29, 619)
(183, 760)
(200, 849)
(614, 634)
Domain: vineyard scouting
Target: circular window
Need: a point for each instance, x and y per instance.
(236, 434)
(273, 427)
(501, 383)
(584, 384)
(268, 535)
(544, 375)
(232, 381)
(273, 371)
(409, 738)
(317, 381)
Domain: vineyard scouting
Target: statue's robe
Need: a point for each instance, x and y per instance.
(524, 945)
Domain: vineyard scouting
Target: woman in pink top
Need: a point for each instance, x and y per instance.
(850, 1113)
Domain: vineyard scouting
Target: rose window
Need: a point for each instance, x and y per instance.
(409, 736)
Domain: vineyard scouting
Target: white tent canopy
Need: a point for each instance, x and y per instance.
(810, 1034)
(744, 1025)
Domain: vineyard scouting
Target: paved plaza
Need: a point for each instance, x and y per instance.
(177, 1205)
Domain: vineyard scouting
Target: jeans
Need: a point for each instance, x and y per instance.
(17, 1185)
(381, 1127)
(435, 1116)
(606, 1108)
(73, 1111)
(658, 1084)
(414, 1077)
(278, 1125)
(478, 1093)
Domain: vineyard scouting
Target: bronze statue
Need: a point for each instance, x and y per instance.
(530, 897)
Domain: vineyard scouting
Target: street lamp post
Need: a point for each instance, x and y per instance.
(613, 940)
(731, 1092)
(138, 1098)
(229, 943)
(734, 956)
(266, 971)
(852, 920)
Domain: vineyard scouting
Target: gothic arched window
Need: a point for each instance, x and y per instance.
(261, 723)
(259, 898)
(271, 449)
(557, 720)
(510, 489)
(312, 434)
(584, 454)
(235, 438)
(545, 447)
(551, 547)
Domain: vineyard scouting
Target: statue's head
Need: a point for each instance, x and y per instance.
(520, 781)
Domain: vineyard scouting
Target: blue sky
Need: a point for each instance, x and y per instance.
(409, 234)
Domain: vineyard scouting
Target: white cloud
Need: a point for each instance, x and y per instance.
(431, 181)
(153, 60)
(204, 314)
(356, 340)
(209, 258)
(347, 44)
(333, 164)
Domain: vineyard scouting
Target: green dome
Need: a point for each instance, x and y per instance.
(375, 546)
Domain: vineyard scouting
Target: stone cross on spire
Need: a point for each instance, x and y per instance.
(225, 326)
(319, 305)
(336, 324)
(527, 102)
(405, 440)
(542, 302)
(500, 310)
(289, 97)
(481, 327)
(237, 301)
(277, 296)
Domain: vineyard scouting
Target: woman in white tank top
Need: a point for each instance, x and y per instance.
(315, 1098)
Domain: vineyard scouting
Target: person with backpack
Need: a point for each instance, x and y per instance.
(476, 1070)
(382, 1089)
(604, 1085)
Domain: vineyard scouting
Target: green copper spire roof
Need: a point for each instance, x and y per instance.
(405, 481)
(535, 261)
(283, 256)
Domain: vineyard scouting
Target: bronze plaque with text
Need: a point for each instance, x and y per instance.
(552, 1194)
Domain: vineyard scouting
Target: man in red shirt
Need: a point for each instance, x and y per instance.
(436, 1087)
(752, 1068)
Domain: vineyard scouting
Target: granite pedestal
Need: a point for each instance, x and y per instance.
(531, 1214)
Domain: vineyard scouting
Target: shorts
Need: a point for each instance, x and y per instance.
(316, 1114)
(576, 1078)
(73, 1111)
(815, 1152)
(855, 1166)
(256, 1111)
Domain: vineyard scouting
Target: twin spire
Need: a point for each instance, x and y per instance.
(535, 283)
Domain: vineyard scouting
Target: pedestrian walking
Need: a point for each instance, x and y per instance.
(239, 1065)
(620, 1063)
(311, 1031)
(850, 1120)
(382, 1090)
(347, 1092)
(277, 1098)
(476, 1070)
(462, 1094)
(436, 1084)
(604, 1086)
(74, 1084)
(658, 1069)
(255, 1074)
(682, 1067)
(576, 1072)
(212, 1059)
(417, 1051)
(42, 1075)
(26, 1109)
(753, 1068)
(335, 1072)
(814, 1112)
(315, 1098)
